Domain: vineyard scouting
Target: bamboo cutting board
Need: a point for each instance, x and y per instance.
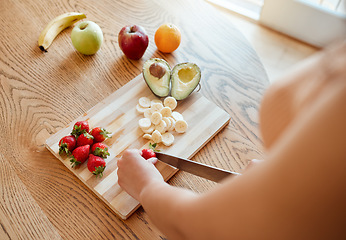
(117, 113)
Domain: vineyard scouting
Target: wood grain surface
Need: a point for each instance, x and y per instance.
(41, 93)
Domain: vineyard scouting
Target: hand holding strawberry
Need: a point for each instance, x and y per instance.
(134, 173)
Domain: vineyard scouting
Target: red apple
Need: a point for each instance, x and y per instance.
(133, 41)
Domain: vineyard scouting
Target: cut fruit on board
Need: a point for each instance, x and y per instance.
(117, 113)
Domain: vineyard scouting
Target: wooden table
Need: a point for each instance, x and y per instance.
(43, 92)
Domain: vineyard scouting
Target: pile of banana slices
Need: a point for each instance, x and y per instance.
(160, 119)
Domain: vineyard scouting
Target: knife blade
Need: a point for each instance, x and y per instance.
(199, 169)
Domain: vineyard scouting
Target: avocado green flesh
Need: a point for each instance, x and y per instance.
(186, 75)
(185, 78)
(159, 86)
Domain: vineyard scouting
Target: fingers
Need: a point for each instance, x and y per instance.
(131, 153)
(152, 160)
(134, 153)
(253, 162)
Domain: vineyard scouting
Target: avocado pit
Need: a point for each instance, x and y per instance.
(157, 69)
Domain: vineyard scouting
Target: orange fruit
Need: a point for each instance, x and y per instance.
(167, 38)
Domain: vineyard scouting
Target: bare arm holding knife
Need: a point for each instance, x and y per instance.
(298, 192)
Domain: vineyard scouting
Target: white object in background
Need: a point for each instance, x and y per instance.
(247, 8)
(305, 21)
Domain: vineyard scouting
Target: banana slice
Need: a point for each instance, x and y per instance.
(168, 123)
(166, 112)
(180, 126)
(156, 118)
(155, 101)
(144, 102)
(177, 116)
(156, 137)
(140, 109)
(147, 136)
(170, 102)
(161, 127)
(167, 139)
(149, 130)
(172, 124)
(148, 113)
(55, 26)
(144, 123)
(156, 107)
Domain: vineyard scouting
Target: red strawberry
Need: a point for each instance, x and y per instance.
(67, 144)
(85, 139)
(80, 155)
(100, 149)
(99, 134)
(80, 127)
(96, 165)
(148, 153)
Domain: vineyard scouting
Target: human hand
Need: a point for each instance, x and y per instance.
(252, 163)
(135, 173)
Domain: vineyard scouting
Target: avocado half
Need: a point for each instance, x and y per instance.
(157, 75)
(185, 78)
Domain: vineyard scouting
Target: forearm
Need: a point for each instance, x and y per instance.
(165, 205)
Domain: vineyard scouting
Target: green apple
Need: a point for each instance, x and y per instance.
(87, 37)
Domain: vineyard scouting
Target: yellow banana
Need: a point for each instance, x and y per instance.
(55, 26)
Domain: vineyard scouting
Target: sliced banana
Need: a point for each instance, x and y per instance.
(148, 113)
(172, 123)
(156, 137)
(140, 109)
(166, 112)
(147, 136)
(180, 126)
(160, 119)
(156, 118)
(150, 130)
(144, 123)
(161, 127)
(177, 116)
(167, 139)
(170, 102)
(156, 107)
(168, 123)
(155, 101)
(144, 102)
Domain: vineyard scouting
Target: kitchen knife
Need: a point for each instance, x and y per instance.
(199, 169)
